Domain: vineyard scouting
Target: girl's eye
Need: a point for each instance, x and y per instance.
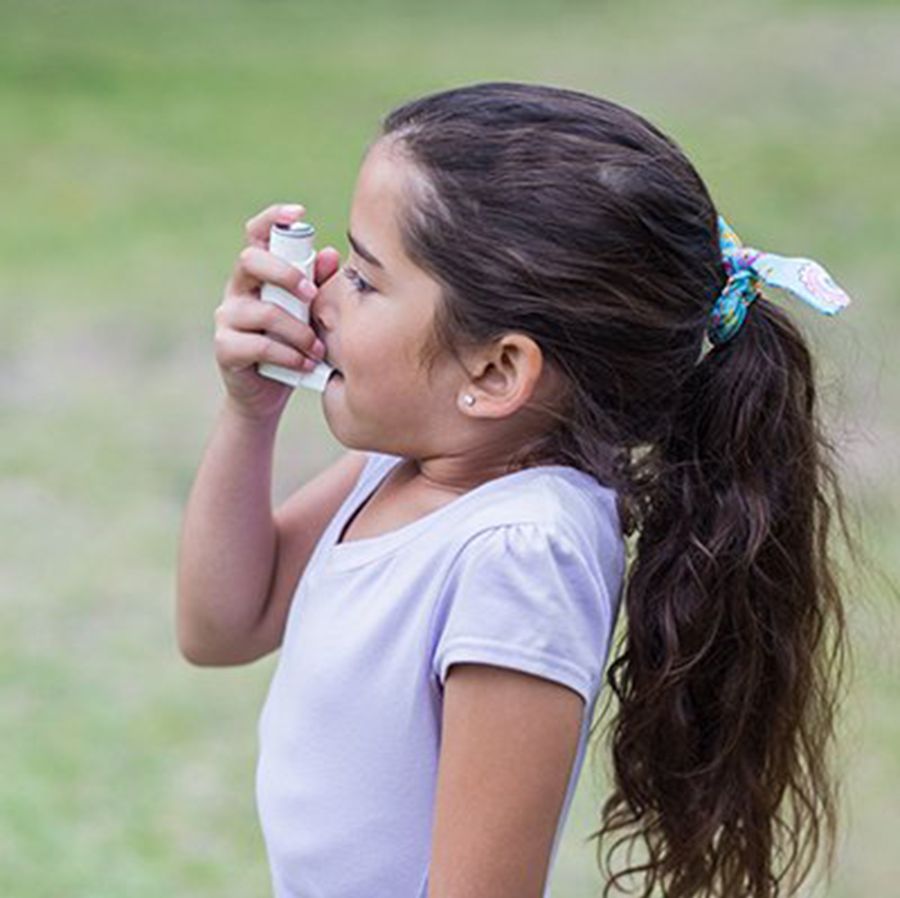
(360, 284)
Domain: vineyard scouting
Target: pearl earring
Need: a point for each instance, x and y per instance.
(469, 399)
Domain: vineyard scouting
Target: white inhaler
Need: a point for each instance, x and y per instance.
(293, 243)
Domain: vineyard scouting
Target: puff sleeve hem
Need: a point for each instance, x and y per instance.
(473, 649)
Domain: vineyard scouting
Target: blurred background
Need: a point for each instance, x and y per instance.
(137, 138)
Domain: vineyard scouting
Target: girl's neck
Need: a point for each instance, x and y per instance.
(453, 474)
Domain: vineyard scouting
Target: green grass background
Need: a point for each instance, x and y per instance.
(137, 137)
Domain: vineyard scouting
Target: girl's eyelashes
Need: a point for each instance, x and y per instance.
(360, 284)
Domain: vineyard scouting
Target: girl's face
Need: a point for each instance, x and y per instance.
(374, 316)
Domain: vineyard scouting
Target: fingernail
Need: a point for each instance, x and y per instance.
(319, 349)
(291, 209)
(308, 288)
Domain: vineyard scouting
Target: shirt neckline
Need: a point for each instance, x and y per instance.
(346, 555)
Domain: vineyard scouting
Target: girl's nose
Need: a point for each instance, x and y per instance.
(320, 313)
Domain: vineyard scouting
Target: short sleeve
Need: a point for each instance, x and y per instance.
(525, 597)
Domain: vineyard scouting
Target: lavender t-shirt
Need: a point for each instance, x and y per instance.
(523, 572)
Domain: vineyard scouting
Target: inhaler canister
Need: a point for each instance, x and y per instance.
(293, 243)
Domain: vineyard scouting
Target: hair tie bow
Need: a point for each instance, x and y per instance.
(748, 270)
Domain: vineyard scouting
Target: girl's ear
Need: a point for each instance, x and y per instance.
(503, 378)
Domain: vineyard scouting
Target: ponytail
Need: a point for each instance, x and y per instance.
(735, 651)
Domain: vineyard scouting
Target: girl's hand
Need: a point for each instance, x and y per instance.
(249, 331)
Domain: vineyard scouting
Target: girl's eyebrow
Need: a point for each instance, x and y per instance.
(361, 251)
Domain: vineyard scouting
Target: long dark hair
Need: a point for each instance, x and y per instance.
(574, 220)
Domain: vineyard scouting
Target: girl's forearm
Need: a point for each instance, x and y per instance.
(228, 542)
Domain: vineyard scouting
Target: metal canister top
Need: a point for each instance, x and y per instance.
(295, 229)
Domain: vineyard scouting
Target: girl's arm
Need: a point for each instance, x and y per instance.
(508, 745)
(228, 540)
(239, 563)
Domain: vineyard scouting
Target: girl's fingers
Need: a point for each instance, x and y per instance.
(259, 317)
(236, 350)
(255, 266)
(256, 229)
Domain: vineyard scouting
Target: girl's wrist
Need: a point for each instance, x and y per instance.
(256, 422)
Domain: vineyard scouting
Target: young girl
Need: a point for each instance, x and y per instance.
(547, 342)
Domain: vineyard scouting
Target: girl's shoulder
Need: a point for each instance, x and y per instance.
(558, 504)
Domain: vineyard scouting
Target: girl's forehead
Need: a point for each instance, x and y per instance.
(378, 199)
(383, 175)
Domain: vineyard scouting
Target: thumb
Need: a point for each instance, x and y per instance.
(327, 261)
